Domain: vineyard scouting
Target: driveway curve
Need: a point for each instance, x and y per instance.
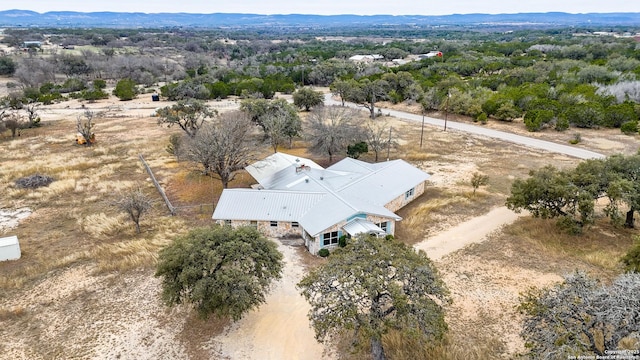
(482, 131)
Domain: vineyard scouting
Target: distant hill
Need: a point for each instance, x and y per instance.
(14, 18)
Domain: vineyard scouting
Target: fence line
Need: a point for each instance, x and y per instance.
(171, 208)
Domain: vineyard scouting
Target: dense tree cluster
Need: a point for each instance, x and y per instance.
(550, 78)
(571, 194)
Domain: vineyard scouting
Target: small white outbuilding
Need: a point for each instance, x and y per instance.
(9, 248)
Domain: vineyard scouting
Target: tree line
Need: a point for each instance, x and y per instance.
(223, 144)
(551, 79)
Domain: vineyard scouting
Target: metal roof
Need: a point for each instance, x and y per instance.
(263, 170)
(315, 197)
(249, 204)
(334, 208)
(390, 180)
(359, 226)
(353, 165)
(9, 241)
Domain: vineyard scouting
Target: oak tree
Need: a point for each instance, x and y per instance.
(581, 317)
(222, 146)
(331, 129)
(307, 98)
(374, 285)
(189, 115)
(219, 270)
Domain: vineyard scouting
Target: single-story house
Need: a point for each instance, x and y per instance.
(297, 197)
(31, 44)
(430, 54)
(366, 58)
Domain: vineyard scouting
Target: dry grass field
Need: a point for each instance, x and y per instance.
(84, 287)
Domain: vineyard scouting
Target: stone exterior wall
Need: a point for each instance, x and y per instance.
(401, 201)
(314, 244)
(283, 229)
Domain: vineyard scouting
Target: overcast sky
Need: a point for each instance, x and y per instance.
(328, 7)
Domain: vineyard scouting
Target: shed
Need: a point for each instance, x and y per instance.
(9, 248)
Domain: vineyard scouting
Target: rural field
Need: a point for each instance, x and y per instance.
(85, 285)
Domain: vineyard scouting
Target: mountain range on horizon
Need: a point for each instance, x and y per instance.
(27, 18)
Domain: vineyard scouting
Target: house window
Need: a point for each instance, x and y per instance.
(274, 224)
(253, 224)
(382, 226)
(227, 222)
(330, 238)
(295, 224)
(409, 193)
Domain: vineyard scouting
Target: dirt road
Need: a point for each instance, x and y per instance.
(471, 231)
(279, 329)
(483, 131)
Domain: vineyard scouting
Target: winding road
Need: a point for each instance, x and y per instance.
(483, 131)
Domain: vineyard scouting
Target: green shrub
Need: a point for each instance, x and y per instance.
(125, 90)
(323, 252)
(48, 99)
(569, 225)
(577, 138)
(482, 117)
(562, 124)
(535, 120)
(629, 128)
(30, 93)
(72, 85)
(47, 88)
(631, 260)
(99, 84)
(395, 97)
(342, 241)
(389, 237)
(95, 94)
(7, 66)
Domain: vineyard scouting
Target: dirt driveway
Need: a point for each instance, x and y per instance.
(279, 329)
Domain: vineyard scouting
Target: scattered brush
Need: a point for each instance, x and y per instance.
(34, 181)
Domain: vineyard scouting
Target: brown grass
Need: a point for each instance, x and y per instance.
(437, 209)
(12, 314)
(73, 221)
(197, 332)
(399, 346)
(600, 246)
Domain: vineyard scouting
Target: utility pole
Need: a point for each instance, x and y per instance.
(446, 110)
(389, 143)
(422, 130)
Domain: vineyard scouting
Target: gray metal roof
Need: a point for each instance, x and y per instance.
(9, 241)
(359, 226)
(249, 204)
(315, 197)
(263, 170)
(390, 180)
(333, 209)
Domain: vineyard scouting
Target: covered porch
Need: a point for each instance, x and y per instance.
(360, 226)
